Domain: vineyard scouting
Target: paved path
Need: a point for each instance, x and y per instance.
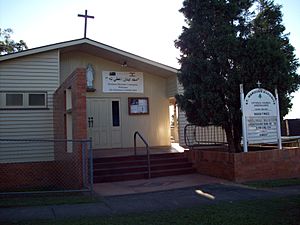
(144, 202)
(155, 184)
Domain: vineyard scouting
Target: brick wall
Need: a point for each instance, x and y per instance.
(27, 176)
(273, 164)
(259, 165)
(76, 83)
(213, 163)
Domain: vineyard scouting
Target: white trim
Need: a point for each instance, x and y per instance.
(278, 120)
(90, 42)
(242, 98)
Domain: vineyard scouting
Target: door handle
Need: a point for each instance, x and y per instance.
(91, 121)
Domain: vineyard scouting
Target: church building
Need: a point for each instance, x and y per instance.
(83, 89)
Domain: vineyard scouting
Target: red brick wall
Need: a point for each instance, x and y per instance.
(213, 163)
(259, 165)
(27, 176)
(77, 84)
(36, 176)
(72, 169)
(273, 164)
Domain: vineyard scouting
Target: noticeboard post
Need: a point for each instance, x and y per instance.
(261, 120)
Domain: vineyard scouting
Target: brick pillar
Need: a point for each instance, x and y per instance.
(71, 162)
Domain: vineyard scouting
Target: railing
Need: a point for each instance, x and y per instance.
(147, 148)
(195, 136)
(291, 141)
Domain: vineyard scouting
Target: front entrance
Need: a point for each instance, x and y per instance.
(104, 122)
(173, 115)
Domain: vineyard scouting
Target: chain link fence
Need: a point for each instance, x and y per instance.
(35, 165)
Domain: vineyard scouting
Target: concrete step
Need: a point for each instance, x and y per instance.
(140, 168)
(137, 157)
(142, 175)
(138, 162)
(136, 167)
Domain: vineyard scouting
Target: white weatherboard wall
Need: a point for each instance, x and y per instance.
(172, 87)
(38, 72)
(182, 121)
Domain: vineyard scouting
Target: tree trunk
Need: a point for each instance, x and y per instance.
(230, 138)
(237, 129)
(233, 135)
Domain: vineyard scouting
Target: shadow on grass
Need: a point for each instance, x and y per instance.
(273, 183)
(47, 199)
(279, 211)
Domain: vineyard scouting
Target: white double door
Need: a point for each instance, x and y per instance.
(104, 122)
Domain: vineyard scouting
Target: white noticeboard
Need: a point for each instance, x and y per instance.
(126, 82)
(261, 130)
(261, 121)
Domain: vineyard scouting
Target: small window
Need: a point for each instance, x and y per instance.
(23, 100)
(14, 99)
(115, 114)
(37, 100)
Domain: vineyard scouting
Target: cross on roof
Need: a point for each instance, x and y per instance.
(258, 84)
(86, 16)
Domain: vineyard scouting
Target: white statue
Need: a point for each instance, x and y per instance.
(90, 76)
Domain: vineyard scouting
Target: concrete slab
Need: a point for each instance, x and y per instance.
(154, 184)
(103, 153)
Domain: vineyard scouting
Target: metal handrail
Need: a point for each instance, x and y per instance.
(147, 148)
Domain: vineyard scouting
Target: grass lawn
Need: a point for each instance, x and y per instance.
(53, 199)
(274, 183)
(285, 211)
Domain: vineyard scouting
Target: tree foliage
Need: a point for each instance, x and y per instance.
(224, 44)
(270, 56)
(7, 45)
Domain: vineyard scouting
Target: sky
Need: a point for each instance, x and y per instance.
(146, 28)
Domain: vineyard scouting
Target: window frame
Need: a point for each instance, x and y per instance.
(25, 105)
(119, 113)
(37, 93)
(13, 106)
(134, 101)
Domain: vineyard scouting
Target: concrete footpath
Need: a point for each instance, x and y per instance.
(144, 202)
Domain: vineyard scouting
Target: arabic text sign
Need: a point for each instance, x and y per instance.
(261, 116)
(130, 82)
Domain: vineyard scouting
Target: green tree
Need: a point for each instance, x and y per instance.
(10, 46)
(221, 47)
(270, 56)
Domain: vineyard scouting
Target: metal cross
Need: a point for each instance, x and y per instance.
(85, 22)
(258, 84)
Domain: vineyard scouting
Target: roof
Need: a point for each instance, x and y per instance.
(101, 50)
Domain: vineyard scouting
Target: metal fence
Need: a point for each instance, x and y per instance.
(196, 136)
(40, 165)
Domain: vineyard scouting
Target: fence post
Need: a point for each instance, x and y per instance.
(91, 164)
(83, 163)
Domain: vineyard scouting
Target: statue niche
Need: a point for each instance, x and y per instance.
(90, 74)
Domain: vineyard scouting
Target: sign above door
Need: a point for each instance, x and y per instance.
(126, 82)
